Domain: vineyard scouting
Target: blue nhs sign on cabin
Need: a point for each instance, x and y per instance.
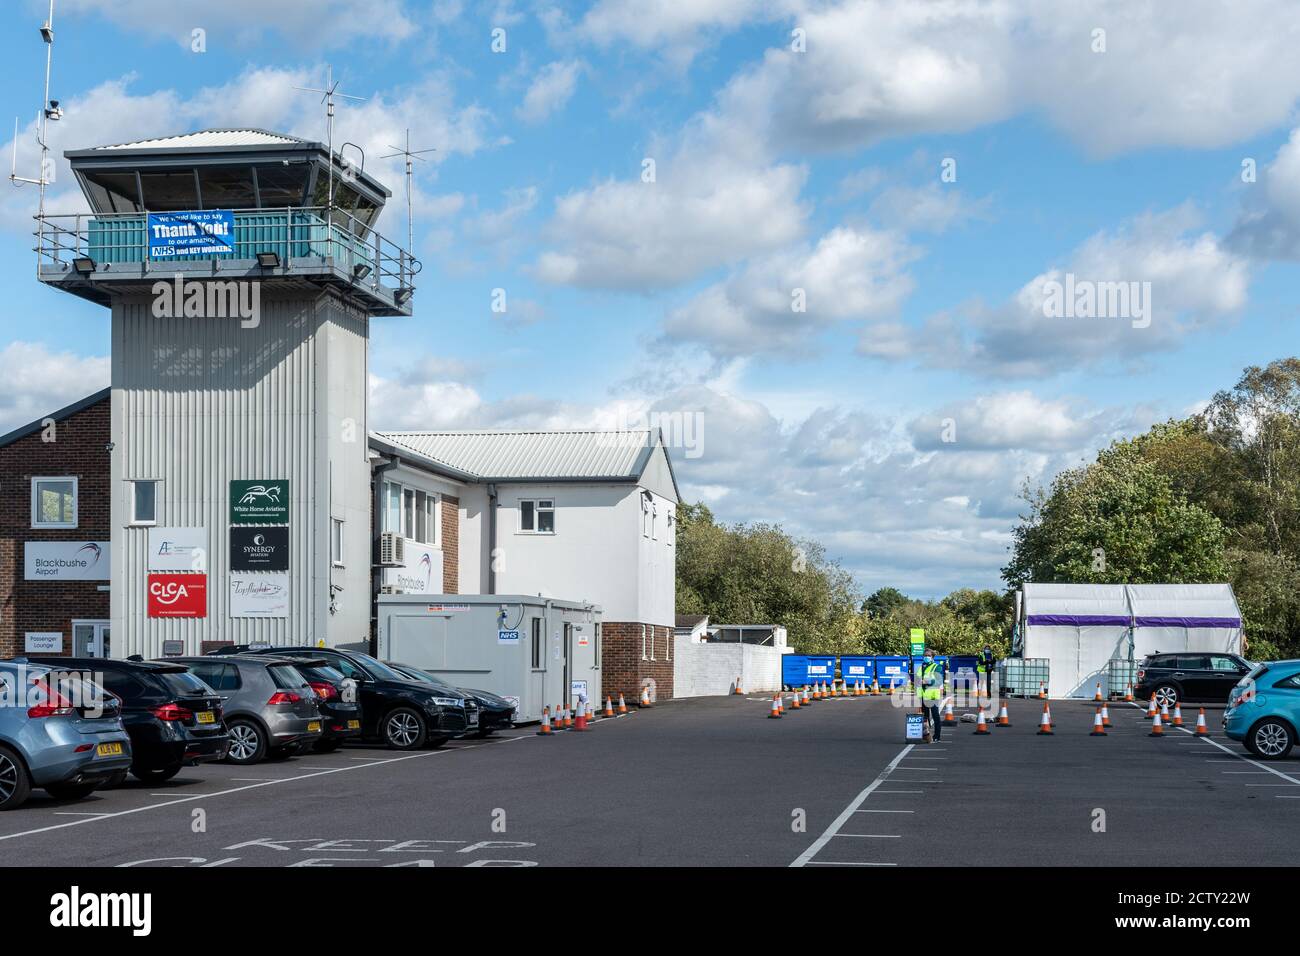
(196, 232)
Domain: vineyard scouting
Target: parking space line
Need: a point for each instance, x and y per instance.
(1218, 746)
(834, 863)
(78, 813)
(900, 791)
(884, 811)
(807, 855)
(872, 836)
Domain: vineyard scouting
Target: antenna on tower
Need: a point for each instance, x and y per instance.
(327, 97)
(410, 154)
(50, 110)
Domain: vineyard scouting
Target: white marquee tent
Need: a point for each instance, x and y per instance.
(1078, 628)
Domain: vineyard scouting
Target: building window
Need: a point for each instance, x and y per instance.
(644, 656)
(654, 521)
(645, 516)
(668, 644)
(144, 502)
(539, 651)
(392, 507)
(537, 517)
(597, 639)
(336, 542)
(54, 502)
(408, 512)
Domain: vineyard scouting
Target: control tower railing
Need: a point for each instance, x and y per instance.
(87, 244)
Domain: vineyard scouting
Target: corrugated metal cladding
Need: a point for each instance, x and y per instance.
(517, 455)
(198, 402)
(211, 137)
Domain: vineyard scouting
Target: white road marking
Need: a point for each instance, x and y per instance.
(833, 863)
(807, 855)
(900, 791)
(1232, 753)
(883, 811)
(77, 813)
(872, 836)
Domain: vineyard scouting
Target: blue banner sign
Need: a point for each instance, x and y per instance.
(194, 232)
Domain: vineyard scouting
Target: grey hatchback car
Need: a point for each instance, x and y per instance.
(270, 707)
(59, 731)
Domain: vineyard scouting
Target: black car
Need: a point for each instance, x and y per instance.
(1189, 675)
(493, 712)
(172, 717)
(339, 703)
(402, 714)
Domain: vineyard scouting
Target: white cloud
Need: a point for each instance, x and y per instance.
(1014, 420)
(851, 274)
(1269, 225)
(38, 381)
(551, 89)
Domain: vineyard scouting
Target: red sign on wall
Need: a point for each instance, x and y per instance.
(178, 595)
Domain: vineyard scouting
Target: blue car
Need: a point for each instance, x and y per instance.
(1264, 709)
(59, 732)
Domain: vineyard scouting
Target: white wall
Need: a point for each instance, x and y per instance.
(707, 670)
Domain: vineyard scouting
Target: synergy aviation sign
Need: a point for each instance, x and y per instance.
(66, 561)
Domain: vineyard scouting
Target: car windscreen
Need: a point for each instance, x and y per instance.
(378, 669)
(184, 684)
(427, 678)
(321, 673)
(286, 677)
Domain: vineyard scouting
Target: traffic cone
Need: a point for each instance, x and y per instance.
(1164, 713)
(1151, 710)
(1097, 696)
(817, 692)
(780, 704)
(1128, 693)
(1042, 691)
(568, 718)
(981, 726)
(1201, 729)
(580, 721)
(609, 706)
(1105, 715)
(875, 687)
(1098, 728)
(1157, 728)
(622, 704)
(949, 717)
(738, 690)
(1178, 714)
(1045, 725)
(1004, 719)
(776, 709)
(559, 718)
(794, 701)
(645, 697)
(1047, 715)
(545, 729)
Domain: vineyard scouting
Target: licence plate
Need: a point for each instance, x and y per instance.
(354, 725)
(206, 717)
(108, 750)
(313, 727)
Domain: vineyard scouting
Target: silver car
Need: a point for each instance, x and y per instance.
(270, 707)
(59, 731)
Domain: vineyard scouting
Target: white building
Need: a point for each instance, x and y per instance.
(585, 516)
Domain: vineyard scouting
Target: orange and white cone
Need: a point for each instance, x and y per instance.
(1151, 710)
(807, 698)
(981, 725)
(1098, 728)
(1097, 696)
(1128, 693)
(568, 718)
(1047, 712)
(780, 703)
(949, 717)
(1202, 730)
(1178, 714)
(1045, 725)
(1042, 691)
(580, 720)
(738, 690)
(609, 706)
(622, 704)
(1105, 715)
(1004, 719)
(545, 729)
(1157, 728)
(645, 697)
(794, 701)
(559, 718)
(875, 687)
(776, 708)
(1164, 713)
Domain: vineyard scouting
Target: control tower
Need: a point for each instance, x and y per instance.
(241, 270)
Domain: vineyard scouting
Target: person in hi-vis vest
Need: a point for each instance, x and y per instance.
(984, 662)
(931, 690)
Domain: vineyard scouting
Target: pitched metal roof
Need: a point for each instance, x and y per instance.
(213, 137)
(534, 455)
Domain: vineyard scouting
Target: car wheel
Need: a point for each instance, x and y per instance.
(247, 742)
(71, 791)
(1166, 695)
(155, 774)
(327, 746)
(404, 729)
(1271, 739)
(15, 785)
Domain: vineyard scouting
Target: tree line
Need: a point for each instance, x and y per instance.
(1211, 497)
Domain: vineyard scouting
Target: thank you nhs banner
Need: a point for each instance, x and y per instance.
(192, 233)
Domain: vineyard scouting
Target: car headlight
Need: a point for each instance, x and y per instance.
(448, 702)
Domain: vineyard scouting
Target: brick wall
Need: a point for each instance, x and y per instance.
(78, 449)
(623, 671)
(450, 545)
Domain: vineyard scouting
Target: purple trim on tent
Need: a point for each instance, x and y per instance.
(1077, 620)
(1189, 622)
(1118, 620)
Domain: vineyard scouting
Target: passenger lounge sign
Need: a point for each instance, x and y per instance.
(259, 502)
(196, 232)
(259, 549)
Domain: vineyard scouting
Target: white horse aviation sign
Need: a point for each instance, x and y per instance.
(259, 502)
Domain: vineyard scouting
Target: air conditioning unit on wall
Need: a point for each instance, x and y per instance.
(392, 550)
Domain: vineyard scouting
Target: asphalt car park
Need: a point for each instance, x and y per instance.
(709, 781)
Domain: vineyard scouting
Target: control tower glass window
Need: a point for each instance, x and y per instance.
(281, 186)
(228, 187)
(113, 192)
(169, 190)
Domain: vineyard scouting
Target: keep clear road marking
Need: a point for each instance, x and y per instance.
(807, 855)
(251, 786)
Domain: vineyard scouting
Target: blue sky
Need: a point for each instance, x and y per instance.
(1115, 156)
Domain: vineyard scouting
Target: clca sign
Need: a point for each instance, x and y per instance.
(178, 595)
